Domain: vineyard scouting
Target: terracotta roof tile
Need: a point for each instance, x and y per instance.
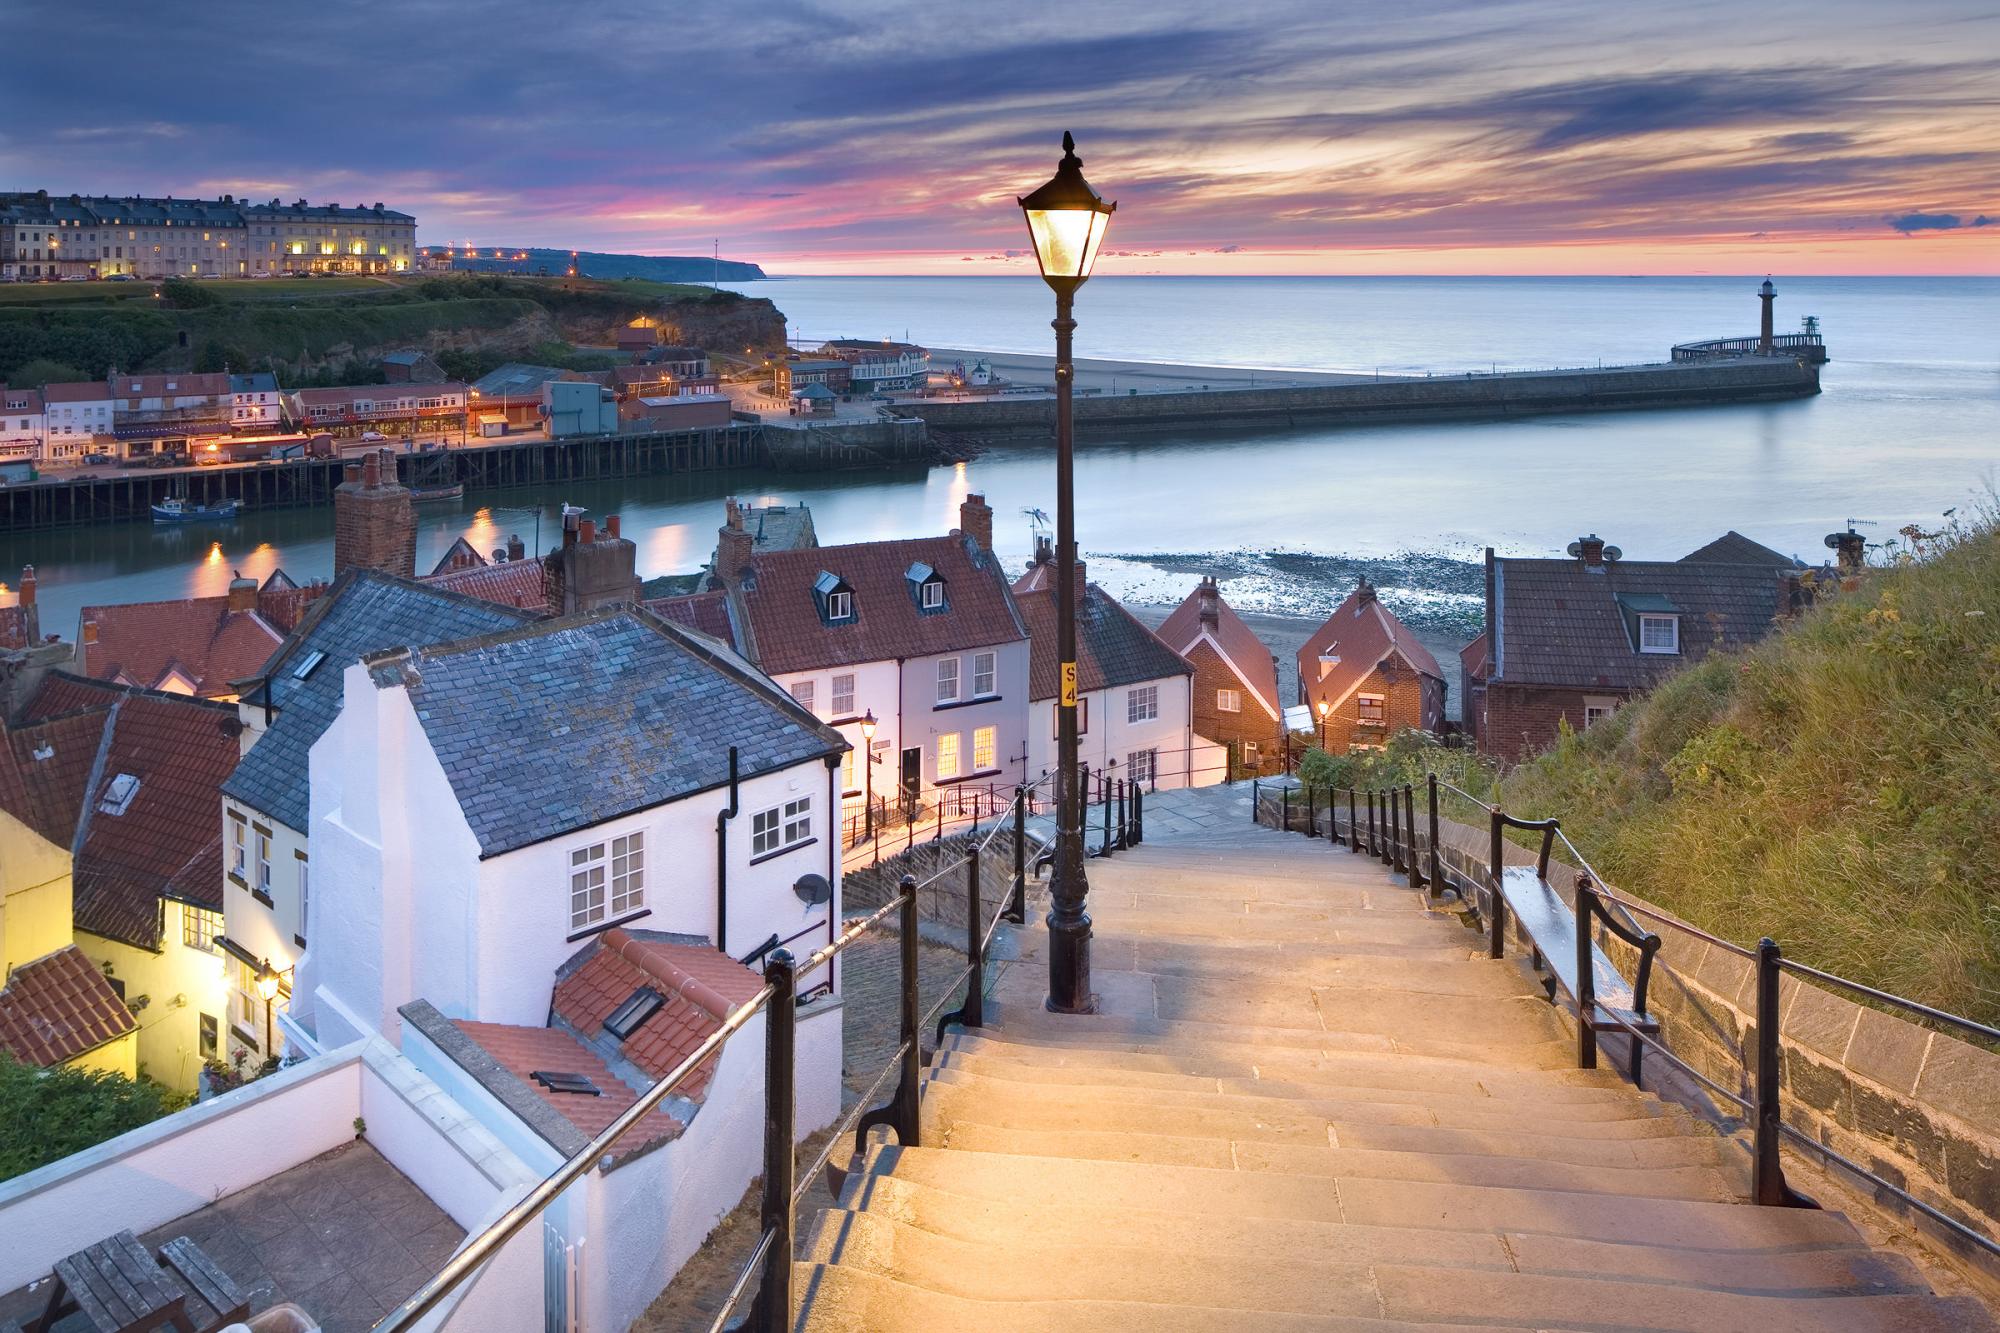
(199, 636)
(45, 766)
(1112, 648)
(515, 583)
(704, 612)
(1362, 633)
(523, 1050)
(1236, 640)
(59, 1006)
(699, 987)
(1733, 548)
(786, 633)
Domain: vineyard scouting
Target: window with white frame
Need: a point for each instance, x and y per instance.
(781, 827)
(1142, 766)
(931, 595)
(239, 836)
(263, 862)
(850, 764)
(947, 755)
(843, 695)
(1597, 707)
(802, 691)
(1142, 704)
(985, 749)
(985, 673)
(1229, 701)
(1370, 710)
(947, 680)
(840, 606)
(628, 873)
(305, 894)
(1659, 634)
(588, 890)
(200, 928)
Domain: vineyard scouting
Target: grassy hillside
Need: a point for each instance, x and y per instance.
(1836, 788)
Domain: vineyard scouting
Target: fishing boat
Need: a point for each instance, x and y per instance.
(425, 494)
(176, 510)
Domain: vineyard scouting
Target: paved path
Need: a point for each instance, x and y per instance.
(1306, 1102)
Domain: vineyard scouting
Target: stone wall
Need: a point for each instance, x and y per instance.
(941, 902)
(1436, 397)
(1915, 1106)
(820, 446)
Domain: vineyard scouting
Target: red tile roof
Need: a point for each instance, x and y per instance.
(1473, 656)
(1235, 641)
(44, 768)
(515, 583)
(780, 610)
(18, 627)
(186, 385)
(704, 612)
(699, 986)
(523, 1050)
(58, 1007)
(180, 750)
(200, 638)
(1362, 633)
(459, 555)
(77, 391)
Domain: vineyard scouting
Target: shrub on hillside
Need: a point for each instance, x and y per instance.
(184, 294)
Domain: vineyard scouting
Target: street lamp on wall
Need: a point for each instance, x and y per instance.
(868, 790)
(267, 986)
(1324, 708)
(1067, 221)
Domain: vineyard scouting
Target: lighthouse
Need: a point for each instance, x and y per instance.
(1766, 294)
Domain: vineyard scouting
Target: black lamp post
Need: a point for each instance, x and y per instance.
(868, 790)
(267, 987)
(1324, 708)
(1067, 221)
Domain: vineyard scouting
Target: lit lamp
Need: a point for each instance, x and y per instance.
(267, 986)
(868, 790)
(1325, 707)
(1067, 220)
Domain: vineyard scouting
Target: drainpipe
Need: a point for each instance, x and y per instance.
(722, 818)
(836, 836)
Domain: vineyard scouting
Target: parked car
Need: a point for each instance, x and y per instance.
(374, 436)
(121, 277)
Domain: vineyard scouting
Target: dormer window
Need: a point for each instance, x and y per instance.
(835, 597)
(927, 586)
(1659, 634)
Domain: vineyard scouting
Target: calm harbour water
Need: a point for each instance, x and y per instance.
(1909, 426)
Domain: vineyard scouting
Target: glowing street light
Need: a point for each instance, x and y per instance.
(1067, 221)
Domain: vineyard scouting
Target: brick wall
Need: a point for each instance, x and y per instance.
(1409, 700)
(374, 527)
(1252, 724)
(940, 903)
(1520, 721)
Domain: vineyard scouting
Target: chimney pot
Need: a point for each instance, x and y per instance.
(351, 474)
(516, 548)
(587, 532)
(27, 585)
(1364, 592)
(371, 470)
(90, 631)
(611, 524)
(1207, 608)
(975, 520)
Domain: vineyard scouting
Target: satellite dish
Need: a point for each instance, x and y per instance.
(1613, 553)
(1574, 548)
(1833, 540)
(813, 890)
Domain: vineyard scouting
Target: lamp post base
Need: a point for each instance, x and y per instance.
(1069, 967)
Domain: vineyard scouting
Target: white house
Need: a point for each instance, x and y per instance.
(23, 423)
(76, 413)
(922, 634)
(1133, 692)
(255, 403)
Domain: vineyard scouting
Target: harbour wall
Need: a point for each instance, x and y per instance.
(1615, 388)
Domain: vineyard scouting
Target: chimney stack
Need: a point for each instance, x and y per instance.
(242, 593)
(1208, 602)
(516, 548)
(374, 523)
(1851, 549)
(1045, 551)
(1364, 591)
(1082, 580)
(1590, 549)
(733, 546)
(27, 585)
(975, 520)
(590, 569)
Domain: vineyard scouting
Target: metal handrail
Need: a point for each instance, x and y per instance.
(1967, 1025)
(1977, 1238)
(743, 1280)
(483, 1246)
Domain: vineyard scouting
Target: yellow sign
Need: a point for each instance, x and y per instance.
(1069, 684)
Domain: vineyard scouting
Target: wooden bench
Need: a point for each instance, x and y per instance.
(1550, 925)
(230, 1303)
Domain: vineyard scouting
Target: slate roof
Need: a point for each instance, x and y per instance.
(1363, 634)
(699, 986)
(1237, 641)
(566, 723)
(1112, 648)
(1560, 622)
(180, 750)
(58, 1007)
(704, 612)
(199, 638)
(364, 611)
(777, 605)
(516, 379)
(1733, 548)
(516, 583)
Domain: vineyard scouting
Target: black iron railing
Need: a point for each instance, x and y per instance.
(1398, 842)
(769, 1269)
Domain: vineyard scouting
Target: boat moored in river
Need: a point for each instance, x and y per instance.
(176, 510)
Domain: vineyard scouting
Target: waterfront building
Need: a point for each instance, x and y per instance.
(683, 363)
(255, 403)
(43, 236)
(151, 413)
(411, 366)
(1235, 680)
(145, 854)
(639, 336)
(386, 409)
(1135, 714)
(23, 423)
(663, 380)
(78, 414)
(795, 373)
(1372, 675)
(1568, 641)
(881, 367)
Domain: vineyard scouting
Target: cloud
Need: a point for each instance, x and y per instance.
(1229, 249)
(1915, 222)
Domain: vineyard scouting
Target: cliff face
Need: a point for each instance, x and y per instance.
(728, 325)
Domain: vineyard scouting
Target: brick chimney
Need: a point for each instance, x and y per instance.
(590, 569)
(374, 523)
(516, 548)
(1590, 549)
(1208, 603)
(31, 615)
(242, 593)
(1082, 581)
(1045, 552)
(975, 520)
(733, 545)
(1850, 549)
(1364, 592)
(27, 585)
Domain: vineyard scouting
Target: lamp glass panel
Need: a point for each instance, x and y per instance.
(1066, 240)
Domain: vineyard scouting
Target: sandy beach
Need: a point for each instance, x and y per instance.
(1145, 376)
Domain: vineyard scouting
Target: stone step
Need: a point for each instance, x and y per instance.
(1204, 1012)
(1030, 1183)
(1522, 1171)
(1302, 1269)
(847, 1300)
(1018, 1104)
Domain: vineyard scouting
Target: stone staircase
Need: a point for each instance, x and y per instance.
(1310, 1103)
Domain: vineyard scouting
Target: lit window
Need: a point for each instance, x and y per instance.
(200, 928)
(802, 691)
(1228, 701)
(947, 680)
(587, 873)
(1142, 704)
(1659, 634)
(1370, 710)
(984, 670)
(850, 763)
(843, 695)
(985, 749)
(947, 755)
